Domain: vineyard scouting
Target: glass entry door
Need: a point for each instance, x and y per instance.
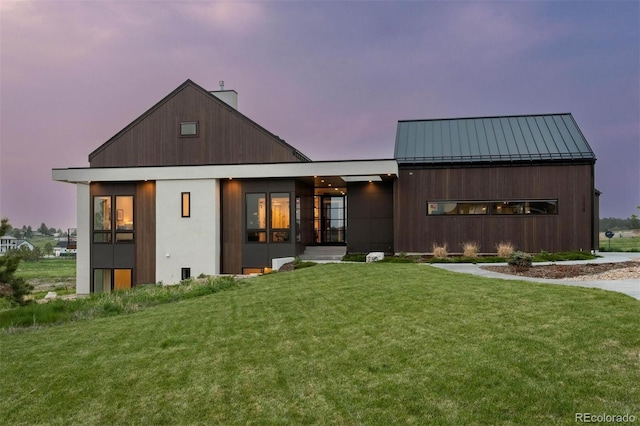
(331, 228)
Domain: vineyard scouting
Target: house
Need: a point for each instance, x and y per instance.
(9, 242)
(194, 186)
(63, 249)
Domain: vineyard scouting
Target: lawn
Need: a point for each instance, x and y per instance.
(337, 344)
(55, 269)
(626, 243)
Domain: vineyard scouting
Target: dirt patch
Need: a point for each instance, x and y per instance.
(595, 271)
(40, 284)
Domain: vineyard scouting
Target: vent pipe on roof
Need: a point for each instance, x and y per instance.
(230, 97)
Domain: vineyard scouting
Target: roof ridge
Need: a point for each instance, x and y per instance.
(484, 117)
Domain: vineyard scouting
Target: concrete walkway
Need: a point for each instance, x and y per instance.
(629, 287)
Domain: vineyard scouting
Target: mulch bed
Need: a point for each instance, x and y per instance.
(562, 271)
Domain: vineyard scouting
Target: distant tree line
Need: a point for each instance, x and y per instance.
(27, 231)
(617, 224)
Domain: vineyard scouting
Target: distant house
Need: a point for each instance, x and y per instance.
(9, 242)
(194, 186)
(63, 249)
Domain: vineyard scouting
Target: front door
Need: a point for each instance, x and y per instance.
(331, 228)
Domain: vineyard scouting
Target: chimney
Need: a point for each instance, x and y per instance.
(230, 97)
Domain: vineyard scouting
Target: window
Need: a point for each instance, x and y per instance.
(298, 219)
(280, 217)
(122, 279)
(185, 274)
(101, 281)
(124, 218)
(189, 128)
(526, 207)
(106, 225)
(108, 280)
(516, 207)
(186, 204)
(102, 219)
(256, 219)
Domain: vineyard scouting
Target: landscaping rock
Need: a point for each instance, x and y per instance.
(375, 256)
(52, 295)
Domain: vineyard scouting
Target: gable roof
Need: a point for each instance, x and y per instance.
(188, 83)
(546, 137)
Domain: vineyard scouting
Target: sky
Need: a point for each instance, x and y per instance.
(331, 78)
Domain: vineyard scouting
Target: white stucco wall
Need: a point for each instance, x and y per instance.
(83, 221)
(187, 242)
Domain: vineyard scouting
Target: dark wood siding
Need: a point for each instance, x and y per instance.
(231, 226)
(224, 136)
(370, 217)
(145, 222)
(305, 192)
(570, 229)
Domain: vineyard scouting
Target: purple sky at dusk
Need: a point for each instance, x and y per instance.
(332, 79)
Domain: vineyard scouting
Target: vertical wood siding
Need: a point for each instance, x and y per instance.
(145, 227)
(570, 229)
(224, 137)
(231, 226)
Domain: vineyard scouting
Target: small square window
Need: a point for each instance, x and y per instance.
(189, 128)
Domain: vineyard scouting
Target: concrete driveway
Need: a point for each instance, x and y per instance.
(629, 287)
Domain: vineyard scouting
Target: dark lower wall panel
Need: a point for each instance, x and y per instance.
(145, 219)
(570, 229)
(370, 217)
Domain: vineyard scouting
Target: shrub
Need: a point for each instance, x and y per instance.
(504, 249)
(355, 257)
(440, 252)
(470, 249)
(520, 260)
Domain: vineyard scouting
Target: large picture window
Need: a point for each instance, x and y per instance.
(513, 207)
(109, 223)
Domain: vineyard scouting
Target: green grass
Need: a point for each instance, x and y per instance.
(99, 305)
(41, 241)
(370, 344)
(624, 244)
(55, 269)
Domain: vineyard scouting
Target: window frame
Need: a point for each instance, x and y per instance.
(260, 233)
(492, 207)
(279, 235)
(189, 135)
(188, 204)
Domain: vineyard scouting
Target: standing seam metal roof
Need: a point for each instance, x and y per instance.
(491, 139)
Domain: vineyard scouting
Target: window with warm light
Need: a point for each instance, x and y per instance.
(515, 207)
(186, 204)
(124, 218)
(280, 217)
